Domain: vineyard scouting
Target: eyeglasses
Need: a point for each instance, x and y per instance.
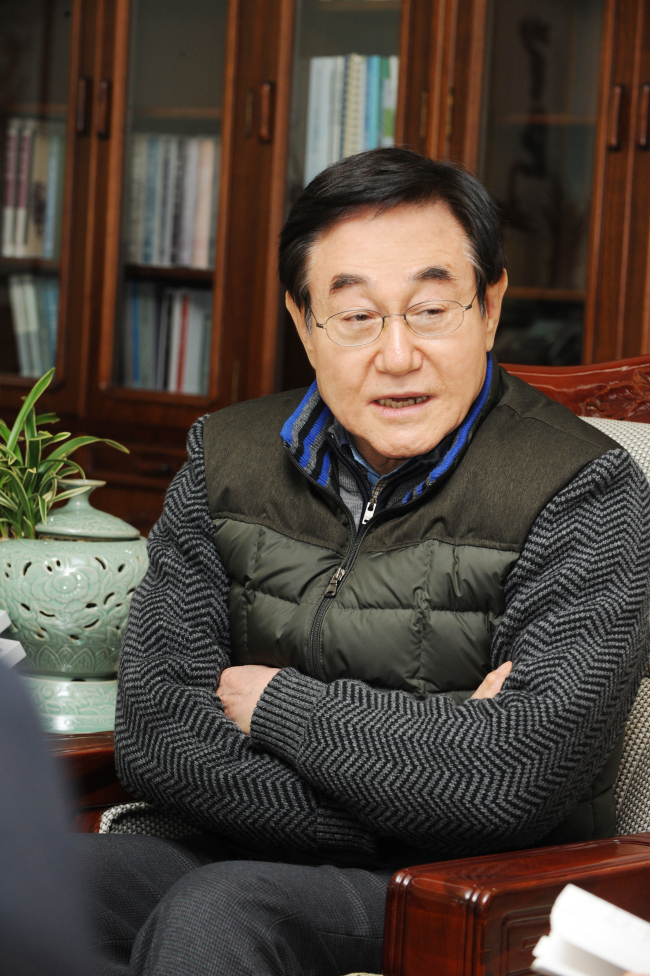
(360, 326)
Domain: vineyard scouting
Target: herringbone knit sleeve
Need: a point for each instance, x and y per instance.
(174, 746)
(494, 774)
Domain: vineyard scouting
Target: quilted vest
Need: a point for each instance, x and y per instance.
(422, 592)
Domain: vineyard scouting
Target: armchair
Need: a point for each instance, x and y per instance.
(479, 916)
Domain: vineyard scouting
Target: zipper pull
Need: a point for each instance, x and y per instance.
(372, 504)
(370, 510)
(333, 584)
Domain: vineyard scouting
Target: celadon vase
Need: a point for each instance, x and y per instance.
(68, 595)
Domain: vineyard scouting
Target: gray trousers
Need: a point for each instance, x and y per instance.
(198, 908)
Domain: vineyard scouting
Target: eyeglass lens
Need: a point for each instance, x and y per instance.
(357, 326)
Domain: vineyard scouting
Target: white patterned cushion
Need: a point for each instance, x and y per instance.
(634, 437)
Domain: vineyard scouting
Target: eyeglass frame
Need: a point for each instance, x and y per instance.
(401, 315)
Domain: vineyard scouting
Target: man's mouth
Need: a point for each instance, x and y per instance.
(396, 403)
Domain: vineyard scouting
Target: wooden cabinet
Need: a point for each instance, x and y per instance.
(150, 149)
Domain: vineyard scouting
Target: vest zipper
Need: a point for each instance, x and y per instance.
(335, 581)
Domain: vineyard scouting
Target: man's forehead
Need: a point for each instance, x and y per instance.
(433, 272)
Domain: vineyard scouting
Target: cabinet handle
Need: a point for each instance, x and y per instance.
(614, 122)
(643, 127)
(267, 99)
(83, 101)
(104, 108)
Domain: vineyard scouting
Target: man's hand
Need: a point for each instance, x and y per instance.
(240, 690)
(492, 682)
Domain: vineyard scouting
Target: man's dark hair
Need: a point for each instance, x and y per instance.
(386, 178)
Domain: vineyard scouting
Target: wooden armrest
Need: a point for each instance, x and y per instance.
(87, 764)
(481, 916)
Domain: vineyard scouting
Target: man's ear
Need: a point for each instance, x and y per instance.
(301, 326)
(493, 300)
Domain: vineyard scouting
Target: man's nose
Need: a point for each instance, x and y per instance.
(397, 352)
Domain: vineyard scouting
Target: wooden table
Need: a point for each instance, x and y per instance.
(87, 764)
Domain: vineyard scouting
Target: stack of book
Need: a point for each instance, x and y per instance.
(351, 107)
(33, 189)
(173, 200)
(34, 302)
(166, 338)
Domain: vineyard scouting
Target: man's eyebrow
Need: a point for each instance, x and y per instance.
(343, 280)
(434, 273)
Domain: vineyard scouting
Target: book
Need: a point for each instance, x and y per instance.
(351, 103)
(22, 192)
(190, 184)
(37, 195)
(203, 214)
(137, 200)
(373, 102)
(389, 75)
(50, 303)
(32, 327)
(174, 189)
(165, 338)
(318, 152)
(591, 937)
(12, 142)
(54, 197)
(148, 321)
(19, 323)
(196, 362)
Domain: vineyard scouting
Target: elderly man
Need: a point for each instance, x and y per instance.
(334, 575)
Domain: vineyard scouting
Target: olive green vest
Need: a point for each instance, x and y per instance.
(423, 591)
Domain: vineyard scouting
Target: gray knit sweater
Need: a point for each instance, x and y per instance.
(331, 771)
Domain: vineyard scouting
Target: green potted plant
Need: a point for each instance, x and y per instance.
(66, 574)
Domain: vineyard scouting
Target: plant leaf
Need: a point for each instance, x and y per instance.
(46, 418)
(39, 387)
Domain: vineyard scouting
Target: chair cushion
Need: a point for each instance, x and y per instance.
(633, 436)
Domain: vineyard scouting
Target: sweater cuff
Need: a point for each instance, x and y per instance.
(281, 715)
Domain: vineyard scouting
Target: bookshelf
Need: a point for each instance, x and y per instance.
(545, 101)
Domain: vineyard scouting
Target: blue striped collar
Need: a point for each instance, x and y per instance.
(305, 435)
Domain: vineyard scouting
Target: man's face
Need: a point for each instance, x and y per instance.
(388, 263)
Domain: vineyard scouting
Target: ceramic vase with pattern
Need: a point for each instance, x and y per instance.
(68, 594)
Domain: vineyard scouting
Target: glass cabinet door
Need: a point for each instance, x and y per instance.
(344, 93)
(537, 159)
(34, 70)
(171, 180)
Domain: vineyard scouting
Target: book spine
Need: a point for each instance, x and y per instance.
(174, 341)
(172, 176)
(153, 158)
(317, 148)
(182, 344)
(373, 101)
(214, 205)
(190, 182)
(17, 303)
(12, 144)
(351, 105)
(47, 359)
(54, 189)
(177, 221)
(162, 200)
(138, 199)
(362, 69)
(390, 71)
(336, 110)
(147, 335)
(203, 202)
(192, 366)
(203, 302)
(51, 294)
(22, 201)
(164, 335)
(135, 334)
(37, 200)
(31, 324)
(127, 336)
